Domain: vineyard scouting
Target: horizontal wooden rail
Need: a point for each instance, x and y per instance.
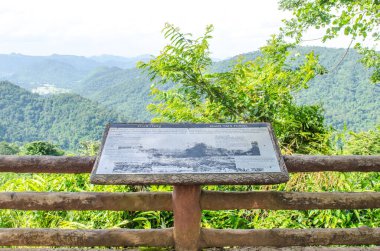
(139, 201)
(294, 163)
(211, 249)
(294, 248)
(210, 200)
(210, 237)
(310, 163)
(290, 237)
(46, 164)
(78, 249)
(215, 200)
(86, 238)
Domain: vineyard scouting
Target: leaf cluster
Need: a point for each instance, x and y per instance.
(259, 90)
(357, 19)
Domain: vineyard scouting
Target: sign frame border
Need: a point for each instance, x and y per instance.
(192, 178)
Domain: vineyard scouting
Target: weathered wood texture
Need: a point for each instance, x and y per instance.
(295, 249)
(290, 237)
(215, 200)
(210, 200)
(46, 164)
(211, 249)
(138, 201)
(86, 238)
(70, 249)
(191, 179)
(187, 217)
(294, 163)
(309, 163)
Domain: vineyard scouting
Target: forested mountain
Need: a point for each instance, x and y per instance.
(64, 119)
(126, 91)
(345, 93)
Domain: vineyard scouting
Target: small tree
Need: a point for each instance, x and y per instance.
(41, 148)
(254, 91)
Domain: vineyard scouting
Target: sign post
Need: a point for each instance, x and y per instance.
(188, 156)
(187, 216)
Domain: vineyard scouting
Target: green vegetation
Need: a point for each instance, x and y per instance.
(280, 84)
(64, 119)
(345, 92)
(361, 143)
(8, 148)
(358, 19)
(125, 91)
(255, 91)
(243, 219)
(41, 148)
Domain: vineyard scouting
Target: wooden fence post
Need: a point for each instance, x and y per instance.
(187, 217)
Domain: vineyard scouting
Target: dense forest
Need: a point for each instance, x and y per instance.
(65, 119)
(120, 92)
(345, 91)
(124, 90)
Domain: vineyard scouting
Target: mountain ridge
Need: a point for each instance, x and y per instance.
(123, 94)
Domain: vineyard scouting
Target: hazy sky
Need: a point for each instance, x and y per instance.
(133, 27)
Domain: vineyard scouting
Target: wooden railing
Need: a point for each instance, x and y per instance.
(189, 236)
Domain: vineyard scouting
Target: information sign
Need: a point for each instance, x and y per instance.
(189, 154)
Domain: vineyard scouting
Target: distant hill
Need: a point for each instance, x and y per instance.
(64, 119)
(125, 91)
(120, 62)
(345, 93)
(33, 71)
(62, 71)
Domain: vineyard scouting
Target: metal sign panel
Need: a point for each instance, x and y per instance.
(189, 154)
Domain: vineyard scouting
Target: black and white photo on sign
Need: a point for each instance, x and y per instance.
(187, 150)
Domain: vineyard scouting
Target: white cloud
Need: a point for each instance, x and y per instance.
(130, 28)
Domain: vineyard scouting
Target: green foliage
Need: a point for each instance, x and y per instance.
(243, 219)
(124, 91)
(41, 148)
(254, 91)
(89, 148)
(346, 95)
(63, 119)
(73, 219)
(358, 19)
(361, 143)
(8, 148)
